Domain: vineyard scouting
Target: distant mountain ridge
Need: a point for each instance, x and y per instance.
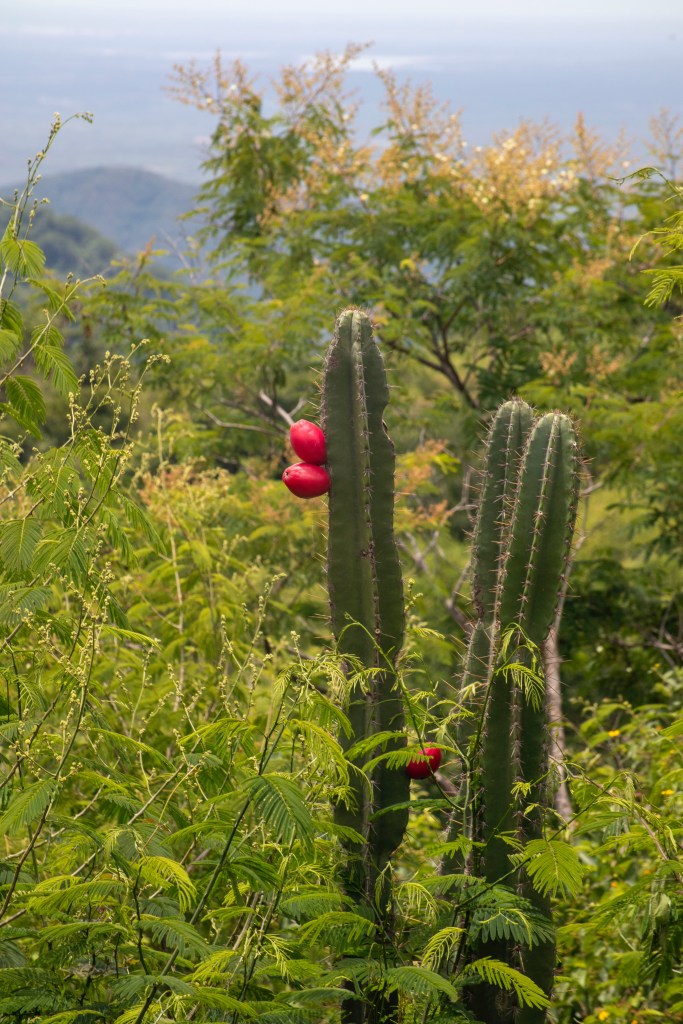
(72, 247)
(127, 205)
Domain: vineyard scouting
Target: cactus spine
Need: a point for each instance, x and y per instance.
(366, 603)
(521, 547)
(520, 551)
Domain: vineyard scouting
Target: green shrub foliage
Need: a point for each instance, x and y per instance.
(177, 738)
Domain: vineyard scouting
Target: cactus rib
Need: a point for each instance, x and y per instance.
(366, 604)
(522, 540)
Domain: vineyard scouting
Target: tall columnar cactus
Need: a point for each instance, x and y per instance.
(505, 444)
(366, 602)
(520, 552)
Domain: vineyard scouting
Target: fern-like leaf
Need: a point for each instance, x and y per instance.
(58, 933)
(495, 972)
(17, 602)
(26, 402)
(552, 866)
(141, 1014)
(216, 966)
(26, 807)
(21, 256)
(307, 905)
(338, 929)
(10, 342)
(162, 872)
(52, 361)
(18, 541)
(419, 981)
(71, 1016)
(440, 946)
(279, 801)
(176, 934)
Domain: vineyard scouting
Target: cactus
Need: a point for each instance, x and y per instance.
(504, 446)
(520, 552)
(367, 611)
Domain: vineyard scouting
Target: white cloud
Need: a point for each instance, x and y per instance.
(398, 61)
(179, 56)
(64, 31)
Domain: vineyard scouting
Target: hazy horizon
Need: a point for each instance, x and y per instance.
(614, 63)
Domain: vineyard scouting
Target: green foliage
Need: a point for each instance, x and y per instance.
(622, 946)
(71, 246)
(553, 866)
(669, 239)
(479, 265)
(507, 978)
(174, 725)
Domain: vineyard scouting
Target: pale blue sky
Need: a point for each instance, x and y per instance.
(617, 61)
(293, 10)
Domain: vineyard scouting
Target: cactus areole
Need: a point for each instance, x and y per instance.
(367, 615)
(521, 547)
(363, 571)
(520, 551)
(308, 441)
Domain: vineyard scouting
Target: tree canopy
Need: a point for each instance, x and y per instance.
(174, 708)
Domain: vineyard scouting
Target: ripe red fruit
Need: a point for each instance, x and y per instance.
(307, 481)
(423, 769)
(308, 441)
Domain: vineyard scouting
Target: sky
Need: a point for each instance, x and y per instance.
(66, 11)
(618, 61)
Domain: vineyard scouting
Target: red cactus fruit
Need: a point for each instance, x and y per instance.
(423, 769)
(307, 481)
(308, 441)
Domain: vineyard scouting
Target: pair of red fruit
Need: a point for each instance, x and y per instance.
(309, 479)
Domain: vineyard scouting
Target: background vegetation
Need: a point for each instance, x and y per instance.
(171, 701)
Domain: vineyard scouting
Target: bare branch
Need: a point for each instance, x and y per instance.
(288, 417)
(239, 426)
